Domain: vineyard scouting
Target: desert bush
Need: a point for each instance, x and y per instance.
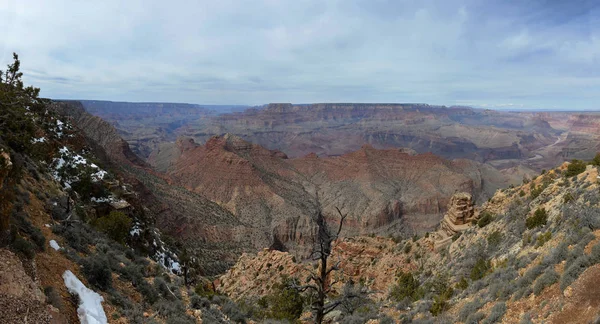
(480, 270)
(197, 302)
(119, 300)
(116, 225)
(440, 305)
(557, 254)
(213, 315)
(547, 279)
(536, 191)
(284, 303)
(539, 218)
(360, 317)
(169, 309)
(532, 274)
(180, 319)
(407, 286)
(573, 270)
(575, 167)
(462, 284)
(494, 239)
(475, 318)
(485, 219)
(353, 296)
(96, 270)
(582, 216)
(595, 254)
(53, 297)
(574, 254)
(543, 238)
(525, 260)
(469, 308)
(147, 291)
(233, 311)
(568, 198)
(596, 160)
(525, 319)
(496, 314)
(77, 236)
(23, 247)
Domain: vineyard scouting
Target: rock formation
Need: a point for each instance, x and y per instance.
(458, 218)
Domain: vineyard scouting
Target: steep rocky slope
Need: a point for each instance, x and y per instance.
(381, 190)
(531, 256)
(211, 232)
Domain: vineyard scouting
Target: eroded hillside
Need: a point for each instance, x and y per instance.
(532, 255)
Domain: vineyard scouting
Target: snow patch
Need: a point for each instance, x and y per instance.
(135, 230)
(97, 176)
(38, 140)
(54, 245)
(90, 309)
(101, 199)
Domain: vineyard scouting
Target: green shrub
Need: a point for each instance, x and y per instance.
(575, 167)
(197, 302)
(96, 270)
(22, 246)
(539, 218)
(475, 318)
(480, 269)
(543, 238)
(536, 191)
(484, 219)
(462, 284)
(440, 305)
(568, 197)
(116, 225)
(495, 238)
(407, 287)
(407, 247)
(596, 160)
(573, 270)
(547, 279)
(496, 313)
(285, 303)
(468, 309)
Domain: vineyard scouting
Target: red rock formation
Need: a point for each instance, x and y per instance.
(376, 188)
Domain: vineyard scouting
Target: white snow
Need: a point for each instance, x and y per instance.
(135, 230)
(97, 176)
(38, 140)
(175, 267)
(90, 309)
(54, 245)
(78, 159)
(101, 199)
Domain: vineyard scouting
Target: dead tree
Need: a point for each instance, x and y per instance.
(318, 281)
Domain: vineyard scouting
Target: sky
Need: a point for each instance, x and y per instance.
(492, 54)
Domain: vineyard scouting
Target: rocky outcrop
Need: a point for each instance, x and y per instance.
(459, 217)
(375, 261)
(460, 212)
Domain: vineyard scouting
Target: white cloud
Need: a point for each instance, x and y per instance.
(256, 52)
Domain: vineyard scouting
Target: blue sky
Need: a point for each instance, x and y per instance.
(494, 54)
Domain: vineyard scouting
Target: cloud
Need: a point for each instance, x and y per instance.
(531, 54)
